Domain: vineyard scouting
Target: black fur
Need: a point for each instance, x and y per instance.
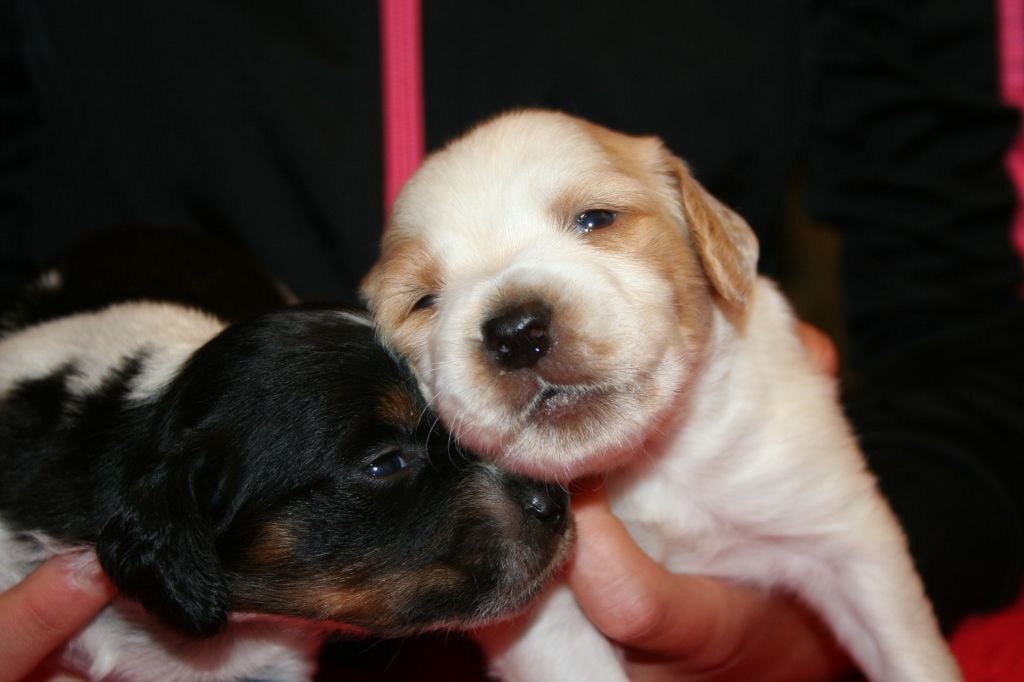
(187, 267)
(253, 482)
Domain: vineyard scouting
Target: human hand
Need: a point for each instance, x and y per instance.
(682, 627)
(820, 347)
(42, 612)
(690, 628)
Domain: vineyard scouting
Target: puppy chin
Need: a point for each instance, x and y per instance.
(561, 433)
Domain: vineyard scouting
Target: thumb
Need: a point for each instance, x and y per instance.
(633, 600)
(700, 627)
(47, 608)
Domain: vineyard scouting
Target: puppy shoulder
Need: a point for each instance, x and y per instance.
(800, 396)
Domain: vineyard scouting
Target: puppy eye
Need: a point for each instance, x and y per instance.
(387, 465)
(425, 302)
(588, 221)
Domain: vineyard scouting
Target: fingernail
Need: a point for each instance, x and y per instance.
(85, 573)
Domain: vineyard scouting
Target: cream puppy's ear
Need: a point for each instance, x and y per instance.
(725, 244)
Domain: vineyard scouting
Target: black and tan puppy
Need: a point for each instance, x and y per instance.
(245, 479)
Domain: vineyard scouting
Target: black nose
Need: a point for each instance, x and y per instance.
(546, 502)
(520, 337)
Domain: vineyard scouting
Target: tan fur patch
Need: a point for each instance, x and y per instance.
(649, 230)
(725, 243)
(377, 605)
(634, 155)
(399, 407)
(342, 603)
(407, 271)
(273, 545)
(657, 240)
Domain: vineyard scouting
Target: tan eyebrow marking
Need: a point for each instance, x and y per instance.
(399, 406)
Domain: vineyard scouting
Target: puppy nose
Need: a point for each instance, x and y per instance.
(547, 503)
(520, 337)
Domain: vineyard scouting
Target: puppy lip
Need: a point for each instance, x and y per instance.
(558, 401)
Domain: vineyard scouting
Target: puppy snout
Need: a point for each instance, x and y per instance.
(519, 337)
(547, 503)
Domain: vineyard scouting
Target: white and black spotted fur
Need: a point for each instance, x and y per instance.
(246, 475)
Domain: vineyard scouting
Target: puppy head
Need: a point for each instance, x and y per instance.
(297, 471)
(552, 284)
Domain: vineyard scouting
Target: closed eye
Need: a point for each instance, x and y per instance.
(594, 219)
(425, 302)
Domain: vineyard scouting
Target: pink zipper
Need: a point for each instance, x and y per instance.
(402, 92)
(1010, 19)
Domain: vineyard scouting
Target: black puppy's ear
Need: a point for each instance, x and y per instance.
(159, 549)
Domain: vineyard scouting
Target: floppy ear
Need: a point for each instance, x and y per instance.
(725, 244)
(159, 549)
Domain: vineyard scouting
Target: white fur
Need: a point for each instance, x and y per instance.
(727, 452)
(124, 642)
(96, 343)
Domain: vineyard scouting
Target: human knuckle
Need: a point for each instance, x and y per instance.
(36, 616)
(638, 618)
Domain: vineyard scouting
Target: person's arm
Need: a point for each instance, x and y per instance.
(38, 615)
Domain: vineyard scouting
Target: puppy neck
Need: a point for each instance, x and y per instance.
(748, 354)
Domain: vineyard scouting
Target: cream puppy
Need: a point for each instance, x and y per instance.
(573, 302)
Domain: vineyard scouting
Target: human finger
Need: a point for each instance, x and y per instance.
(684, 627)
(633, 600)
(820, 347)
(47, 608)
